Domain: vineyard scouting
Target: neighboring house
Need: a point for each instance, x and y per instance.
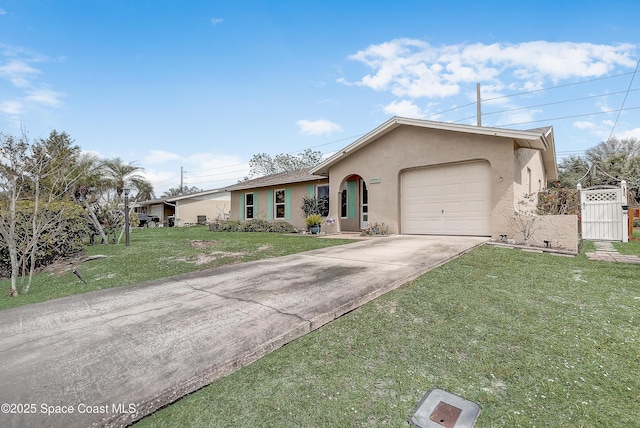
(189, 209)
(277, 197)
(418, 177)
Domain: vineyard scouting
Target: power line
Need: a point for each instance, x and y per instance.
(459, 120)
(559, 86)
(566, 117)
(529, 92)
(560, 102)
(624, 100)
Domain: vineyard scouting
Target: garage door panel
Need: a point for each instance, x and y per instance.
(452, 199)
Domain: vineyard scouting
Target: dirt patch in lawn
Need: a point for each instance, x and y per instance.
(205, 258)
(64, 266)
(201, 243)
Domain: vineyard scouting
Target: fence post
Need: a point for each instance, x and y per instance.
(625, 212)
(580, 224)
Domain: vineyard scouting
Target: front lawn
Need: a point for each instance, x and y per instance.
(631, 247)
(535, 339)
(158, 253)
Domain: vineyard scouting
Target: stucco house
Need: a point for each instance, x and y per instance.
(277, 197)
(207, 205)
(418, 177)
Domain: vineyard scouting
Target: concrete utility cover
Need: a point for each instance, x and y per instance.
(440, 408)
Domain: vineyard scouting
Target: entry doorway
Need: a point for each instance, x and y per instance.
(364, 205)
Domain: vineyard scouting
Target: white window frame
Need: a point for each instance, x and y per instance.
(277, 204)
(247, 206)
(318, 197)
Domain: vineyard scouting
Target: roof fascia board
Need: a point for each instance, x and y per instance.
(240, 186)
(193, 195)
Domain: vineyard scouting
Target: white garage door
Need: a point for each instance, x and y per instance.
(447, 200)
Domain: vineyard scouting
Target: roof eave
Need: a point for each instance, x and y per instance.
(395, 122)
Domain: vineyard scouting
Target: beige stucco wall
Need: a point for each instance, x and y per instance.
(188, 210)
(156, 209)
(529, 179)
(296, 192)
(560, 230)
(381, 162)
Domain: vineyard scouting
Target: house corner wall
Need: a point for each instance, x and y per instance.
(529, 179)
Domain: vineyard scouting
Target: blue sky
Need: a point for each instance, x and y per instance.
(207, 84)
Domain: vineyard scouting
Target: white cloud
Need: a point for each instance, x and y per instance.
(524, 117)
(45, 97)
(12, 107)
(584, 125)
(2, 11)
(404, 108)
(414, 68)
(19, 73)
(216, 21)
(160, 156)
(203, 170)
(631, 133)
(318, 127)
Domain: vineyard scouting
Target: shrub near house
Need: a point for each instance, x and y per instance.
(63, 237)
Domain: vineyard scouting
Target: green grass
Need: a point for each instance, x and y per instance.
(631, 247)
(158, 253)
(535, 339)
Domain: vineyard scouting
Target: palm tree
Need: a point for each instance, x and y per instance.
(118, 175)
(180, 191)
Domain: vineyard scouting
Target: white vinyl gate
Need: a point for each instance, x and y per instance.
(602, 215)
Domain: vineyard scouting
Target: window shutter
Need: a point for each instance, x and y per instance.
(352, 199)
(287, 203)
(255, 204)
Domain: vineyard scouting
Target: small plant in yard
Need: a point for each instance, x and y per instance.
(375, 229)
(313, 205)
(313, 220)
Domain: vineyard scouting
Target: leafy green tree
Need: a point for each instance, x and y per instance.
(615, 160)
(570, 170)
(607, 163)
(33, 176)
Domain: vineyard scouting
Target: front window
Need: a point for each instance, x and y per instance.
(248, 206)
(322, 196)
(279, 198)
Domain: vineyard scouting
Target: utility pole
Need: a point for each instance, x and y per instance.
(479, 112)
(181, 180)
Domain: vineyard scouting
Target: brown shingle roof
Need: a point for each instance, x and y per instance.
(287, 177)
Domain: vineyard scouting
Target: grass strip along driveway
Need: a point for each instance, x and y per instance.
(535, 339)
(159, 253)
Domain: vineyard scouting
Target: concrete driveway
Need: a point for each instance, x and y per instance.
(111, 357)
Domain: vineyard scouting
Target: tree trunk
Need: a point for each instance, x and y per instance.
(11, 244)
(96, 223)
